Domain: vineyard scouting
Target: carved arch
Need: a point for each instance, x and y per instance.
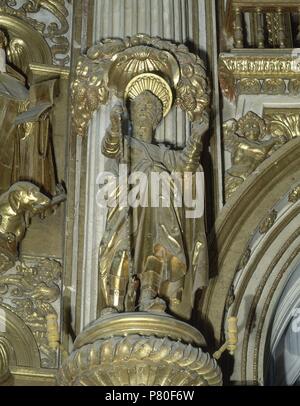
(250, 209)
(24, 351)
(26, 45)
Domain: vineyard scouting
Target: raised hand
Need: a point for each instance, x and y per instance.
(116, 119)
(199, 128)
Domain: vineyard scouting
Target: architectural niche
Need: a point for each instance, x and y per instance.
(146, 284)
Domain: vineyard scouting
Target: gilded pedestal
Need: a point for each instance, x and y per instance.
(140, 349)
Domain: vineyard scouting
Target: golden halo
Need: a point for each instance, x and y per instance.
(153, 83)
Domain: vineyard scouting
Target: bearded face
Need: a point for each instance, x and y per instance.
(146, 111)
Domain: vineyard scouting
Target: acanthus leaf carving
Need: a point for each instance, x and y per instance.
(283, 124)
(31, 291)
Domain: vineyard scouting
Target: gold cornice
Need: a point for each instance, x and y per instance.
(237, 68)
(280, 66)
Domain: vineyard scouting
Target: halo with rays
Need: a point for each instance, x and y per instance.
(153, 83)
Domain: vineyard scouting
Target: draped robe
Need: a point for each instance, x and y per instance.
(137, 233)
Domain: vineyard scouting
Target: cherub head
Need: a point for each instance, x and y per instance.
(252, 127)
(146, 112)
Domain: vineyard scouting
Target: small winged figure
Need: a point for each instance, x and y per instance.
(249, 144)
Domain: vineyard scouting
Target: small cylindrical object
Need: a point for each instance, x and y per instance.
(52, 331)
(260, 28)
(281, 30)
(232, 334)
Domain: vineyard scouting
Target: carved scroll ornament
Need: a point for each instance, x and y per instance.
(55, 30)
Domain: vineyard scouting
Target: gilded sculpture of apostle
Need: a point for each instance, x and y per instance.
(25, 138)
(151, 258)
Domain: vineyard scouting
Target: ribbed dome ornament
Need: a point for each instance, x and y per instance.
(165, 352)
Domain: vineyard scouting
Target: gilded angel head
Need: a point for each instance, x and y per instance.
(252, 127)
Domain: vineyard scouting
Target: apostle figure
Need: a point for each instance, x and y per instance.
(152, 258)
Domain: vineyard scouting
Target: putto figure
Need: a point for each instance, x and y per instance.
(250, 145)
(151, 258)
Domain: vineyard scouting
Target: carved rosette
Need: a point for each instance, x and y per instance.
(165, 352)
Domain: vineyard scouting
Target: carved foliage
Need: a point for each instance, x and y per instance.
(99, 74)
(285, 125)
(268, 222)
(31, 293)
(258, 74)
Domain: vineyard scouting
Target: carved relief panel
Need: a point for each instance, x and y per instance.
(34, 80)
